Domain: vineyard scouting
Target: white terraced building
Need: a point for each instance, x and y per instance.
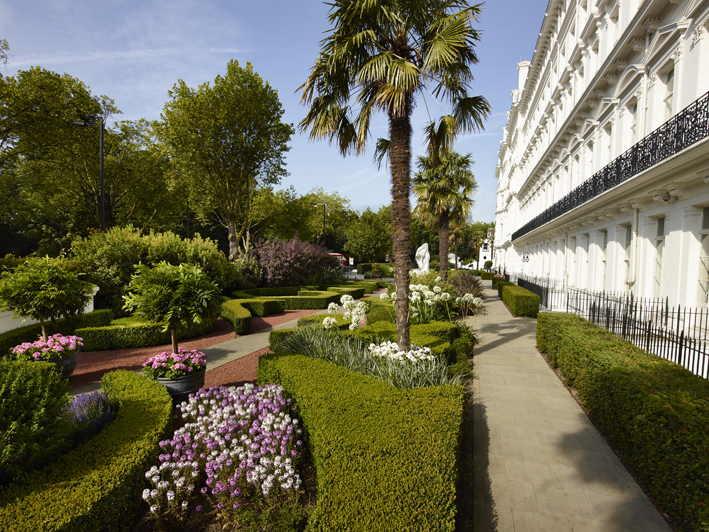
(603, 168)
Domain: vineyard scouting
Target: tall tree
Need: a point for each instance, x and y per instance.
(379, 57)
(444, 190)
(226, 140)
(370, 235)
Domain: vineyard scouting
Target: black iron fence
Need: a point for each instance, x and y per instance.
(675, 333)
(682, 130)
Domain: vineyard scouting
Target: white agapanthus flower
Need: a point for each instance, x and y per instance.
(329, 323)
(332, 308)
(384, 296)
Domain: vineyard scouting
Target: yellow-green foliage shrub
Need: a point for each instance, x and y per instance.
(97, 486)
(237, 315)
(654, 411)
(385, 458)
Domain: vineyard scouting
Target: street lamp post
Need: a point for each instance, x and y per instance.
(324, 238)
(90, 120)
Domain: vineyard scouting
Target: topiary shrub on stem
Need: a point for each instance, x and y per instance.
(43, 289)
(174, 295)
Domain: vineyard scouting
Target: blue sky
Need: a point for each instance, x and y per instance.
(135, 50)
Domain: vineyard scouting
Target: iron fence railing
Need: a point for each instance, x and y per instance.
(682, 130)
(677, 333)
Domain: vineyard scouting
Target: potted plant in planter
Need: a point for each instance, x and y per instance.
(177, 296)
(43, 289)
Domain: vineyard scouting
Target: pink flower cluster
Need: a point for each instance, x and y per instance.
(57, 346)
(171, 365)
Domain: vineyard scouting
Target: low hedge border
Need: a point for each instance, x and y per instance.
(237, 315)
(487, 276)
(520, 301)
(97, 486)
(30, 333)
(655, 412)
(137, 335)
(317, 319)
(357, 292)
(386, 459)
(290, 298)
(498, 285)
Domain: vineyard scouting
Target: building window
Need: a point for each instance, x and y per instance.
(633, 116)
(703, 297)
(627, 247)
(669, 94)
(659, 248)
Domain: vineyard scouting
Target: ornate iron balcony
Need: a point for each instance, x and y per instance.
(682, 130)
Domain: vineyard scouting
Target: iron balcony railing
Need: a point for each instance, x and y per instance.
(682, 130)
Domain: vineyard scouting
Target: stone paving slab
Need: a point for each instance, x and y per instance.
(539, 464)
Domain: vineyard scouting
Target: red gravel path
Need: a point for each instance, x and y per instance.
(93, 364)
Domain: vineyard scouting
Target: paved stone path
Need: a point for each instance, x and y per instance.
(539, 463)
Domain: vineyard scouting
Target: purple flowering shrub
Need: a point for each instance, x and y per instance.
(57, 346)
(237, 452)
(171, 365)
(288, 263)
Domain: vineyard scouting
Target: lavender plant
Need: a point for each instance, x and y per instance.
(90, 413)
(237, 452)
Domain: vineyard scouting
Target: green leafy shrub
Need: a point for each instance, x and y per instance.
(237, 315)
(44, 289)
(488, 264)
(520, 301)
(34, 425)
(487, 276)
(140, 333)
(29, 333)
(177, 296)
(374, 471)
(385, 268)
(654, 411)
(9, 262)
(108, 259)
(95, 487)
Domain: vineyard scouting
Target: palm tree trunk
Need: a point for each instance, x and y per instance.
(400, 162)
(443, 245)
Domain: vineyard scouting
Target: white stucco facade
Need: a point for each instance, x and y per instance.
(584, 197)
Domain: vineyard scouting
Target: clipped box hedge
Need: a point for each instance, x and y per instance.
(263, 307)
(289, 297)
(385, 458)
(487, 276)
(123, 336)
(520, 301)
(654, 411)
(237, 315)
(357, 292)
(317, 319)
(499, 285)
(97, 486)
(30, 333)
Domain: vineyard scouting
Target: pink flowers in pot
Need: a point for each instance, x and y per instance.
(57, 346)
(171, 365)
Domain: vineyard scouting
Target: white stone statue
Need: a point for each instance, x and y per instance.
(423, 258)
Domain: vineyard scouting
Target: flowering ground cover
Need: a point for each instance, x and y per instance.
(237, 454)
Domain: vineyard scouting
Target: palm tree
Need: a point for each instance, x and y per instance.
(444, 191)
(379, 56)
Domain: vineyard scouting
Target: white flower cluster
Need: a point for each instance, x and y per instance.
(421, 292)
(329, 323)
(473, 301)
(391, 350)
(355, 312)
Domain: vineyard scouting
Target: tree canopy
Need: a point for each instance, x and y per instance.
(370, 235)
(226, 141)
